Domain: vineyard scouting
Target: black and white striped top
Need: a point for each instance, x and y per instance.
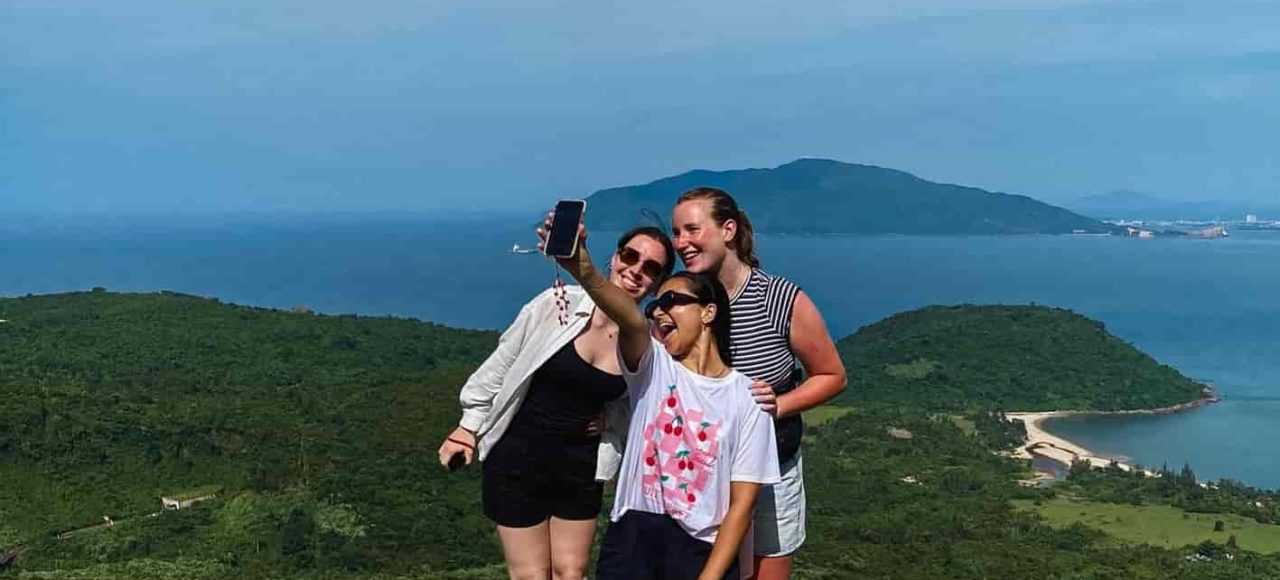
(760, 329)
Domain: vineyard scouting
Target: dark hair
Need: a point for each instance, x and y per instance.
(707, 287)
(723, 209)
(662, 237)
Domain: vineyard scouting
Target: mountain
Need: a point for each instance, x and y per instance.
(820, 196)
(1023, 358)
(1131, 205)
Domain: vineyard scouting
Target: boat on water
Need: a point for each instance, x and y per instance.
(516, 249)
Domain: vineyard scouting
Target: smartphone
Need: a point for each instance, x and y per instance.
(562, 240)
(458, 460)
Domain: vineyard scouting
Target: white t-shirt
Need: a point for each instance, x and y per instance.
(689, 437)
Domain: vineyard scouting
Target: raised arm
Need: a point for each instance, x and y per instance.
(633, 331)
(817, 352)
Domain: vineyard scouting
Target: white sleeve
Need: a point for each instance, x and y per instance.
(755, 459)
(647, 370)
(484, 384)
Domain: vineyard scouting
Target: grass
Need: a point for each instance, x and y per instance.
(1157, 525)
(825, 414)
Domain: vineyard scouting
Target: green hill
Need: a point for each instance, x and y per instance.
(319, 433)
(108, 401)
(819, 196)
(1023, 358)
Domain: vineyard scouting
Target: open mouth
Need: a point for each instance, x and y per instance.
(664, 329)
(630, 284)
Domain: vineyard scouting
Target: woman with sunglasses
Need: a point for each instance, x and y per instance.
(698, 446)
(776, 329)
(526, 411)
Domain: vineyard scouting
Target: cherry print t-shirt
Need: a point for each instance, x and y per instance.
(689, 437)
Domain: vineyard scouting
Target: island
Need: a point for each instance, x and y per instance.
(822, 196)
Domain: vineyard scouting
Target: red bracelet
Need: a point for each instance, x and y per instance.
(461, 442)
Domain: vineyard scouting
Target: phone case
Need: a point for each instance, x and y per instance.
(576, 240)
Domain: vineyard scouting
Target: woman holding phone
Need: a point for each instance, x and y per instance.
(698, 446)
(526, 410)
(776, 329)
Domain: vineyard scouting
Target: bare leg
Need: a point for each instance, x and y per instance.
(778, 568)
(571, 548)
(527, 550)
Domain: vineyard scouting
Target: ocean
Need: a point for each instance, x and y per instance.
(1210, 308)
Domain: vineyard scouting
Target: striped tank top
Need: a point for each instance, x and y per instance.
(760, 344)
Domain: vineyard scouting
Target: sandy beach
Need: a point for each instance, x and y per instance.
(1045, 444)
(1042, 443)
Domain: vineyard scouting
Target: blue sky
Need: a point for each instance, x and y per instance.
(154, 107)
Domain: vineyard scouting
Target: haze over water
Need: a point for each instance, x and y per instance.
(1206, 307)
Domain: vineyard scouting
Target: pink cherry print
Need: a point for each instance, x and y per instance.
(702, 436)
(650, 461)
(666, 428)
(677, 430)
(681, 465)
(691, 498)
(671, 401)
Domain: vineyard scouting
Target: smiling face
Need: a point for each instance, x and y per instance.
(701, 243)
(678, 327)
(637, 278)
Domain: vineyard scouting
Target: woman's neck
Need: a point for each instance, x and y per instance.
(704, 359)
(733, 273)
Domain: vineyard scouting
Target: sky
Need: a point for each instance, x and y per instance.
(450, 106)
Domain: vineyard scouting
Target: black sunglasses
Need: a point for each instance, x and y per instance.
(651, 269)
(667, 300)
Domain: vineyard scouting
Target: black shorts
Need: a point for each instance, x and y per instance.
(645, 546)
(529, 478)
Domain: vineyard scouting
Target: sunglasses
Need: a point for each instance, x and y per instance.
(669, 299)
(651, 269)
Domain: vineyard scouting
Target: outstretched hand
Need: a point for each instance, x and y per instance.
(576, 263)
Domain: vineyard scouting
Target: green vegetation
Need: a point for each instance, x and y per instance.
(320, 433)
(1158, 525)
(1023, 358)
(844, 198)
(1180, 489)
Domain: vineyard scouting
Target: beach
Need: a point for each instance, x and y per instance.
(1042, 443)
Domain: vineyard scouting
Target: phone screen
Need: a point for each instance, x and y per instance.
(562, 241)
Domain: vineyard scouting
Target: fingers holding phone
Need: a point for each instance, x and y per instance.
(458, 449)
(563, 234)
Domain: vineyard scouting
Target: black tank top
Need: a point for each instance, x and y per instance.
(564, 394)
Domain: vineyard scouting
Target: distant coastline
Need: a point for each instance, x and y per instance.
(1040, 443)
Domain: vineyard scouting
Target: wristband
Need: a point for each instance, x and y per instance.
(461, 442)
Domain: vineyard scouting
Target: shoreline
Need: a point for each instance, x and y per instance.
(1041, 443)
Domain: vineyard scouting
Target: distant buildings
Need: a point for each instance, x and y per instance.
(1250, 219)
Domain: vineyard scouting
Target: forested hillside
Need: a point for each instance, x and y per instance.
(1016, 358)
(318, 436)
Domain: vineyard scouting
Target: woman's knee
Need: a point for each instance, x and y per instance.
(528, 571)
(569, 568)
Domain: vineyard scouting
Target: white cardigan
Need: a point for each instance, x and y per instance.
(493, 394)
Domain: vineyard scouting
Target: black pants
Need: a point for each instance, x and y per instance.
(644, 546)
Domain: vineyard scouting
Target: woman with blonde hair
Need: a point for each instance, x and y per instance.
(776, 331)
